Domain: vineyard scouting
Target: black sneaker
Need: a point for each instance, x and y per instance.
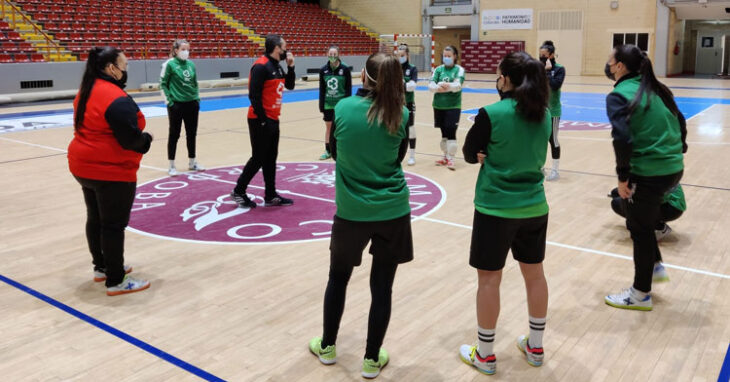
(242, 200)
(278, 201)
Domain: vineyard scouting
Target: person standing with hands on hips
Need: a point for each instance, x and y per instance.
(446, 83)
(265, 90)
(179, 85)
(335, 83)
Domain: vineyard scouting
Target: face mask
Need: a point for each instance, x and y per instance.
(448, 61)
(403, 59)
(607, 71)
(333, 59)
(183, 54)
(122, 81)
(499, 91)
(282, 55)
(543, 59)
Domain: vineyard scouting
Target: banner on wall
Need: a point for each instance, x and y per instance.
(496, 19)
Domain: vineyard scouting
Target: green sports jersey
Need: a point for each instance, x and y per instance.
(178, 81)
(448, 100)
(655, 133)
(369, 181)
(334, 85)
(554, 105)
(675, 198)
(510, 182)
(410, 73)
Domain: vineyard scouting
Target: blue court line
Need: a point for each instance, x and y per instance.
(115, 332)
(725, 371)
(609, 84)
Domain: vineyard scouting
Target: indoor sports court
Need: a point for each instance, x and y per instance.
(236, 293)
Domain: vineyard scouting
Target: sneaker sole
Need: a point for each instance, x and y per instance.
(100, 279)
(278, 205)
(373, 375)
(121, 292)
(640, 308)
(452, 168)
(661, 279)
(468, 362)
(192, 169)
(533, 364)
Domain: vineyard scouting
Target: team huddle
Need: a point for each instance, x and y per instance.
(369, 134)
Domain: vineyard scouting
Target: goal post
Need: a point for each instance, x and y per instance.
(421, 47)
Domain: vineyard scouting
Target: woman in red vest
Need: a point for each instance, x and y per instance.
(104, 156)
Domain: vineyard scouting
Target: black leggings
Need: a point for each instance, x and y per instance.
(667, 213)
(176, 114)
(554, 143)
(108, 206)
(382, 275)
(264, 151)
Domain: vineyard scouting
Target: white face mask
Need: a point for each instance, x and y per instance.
(402, 59)
(183, 54)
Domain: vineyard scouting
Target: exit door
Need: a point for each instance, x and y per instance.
(709, 52)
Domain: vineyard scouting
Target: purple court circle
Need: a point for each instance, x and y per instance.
(197, 207)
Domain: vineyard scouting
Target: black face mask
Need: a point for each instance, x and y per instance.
(499, 91)
(543, 59)
(122, 81)
(607, 71)
(282, 55)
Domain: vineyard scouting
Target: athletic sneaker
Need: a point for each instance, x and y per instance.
(553, 175)
(470, 356)
(442, 162)
(325, 156)
(172, 171)
(411, 161)
(662, 233)
(242, 200)
(100, 274)
(327, 356)
(534, 356)
(370, 368)
(660, 273)
(278, 201)
(626, 300)
(196, 167)
(450, 165)
(128, 285)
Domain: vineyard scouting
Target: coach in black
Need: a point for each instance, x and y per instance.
(266, 85)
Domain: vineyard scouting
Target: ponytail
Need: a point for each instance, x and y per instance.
(99, 58)
(387, 91)
(530, 84)
(637, 61)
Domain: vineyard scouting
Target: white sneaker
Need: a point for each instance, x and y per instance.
(660, 273)
(195, 166)
(626, 300)
(470, 356)
(100, 274)
(661, 234)
(128, 285)
(534, 355)
(552, 176)
(411, 161)
(172, 171)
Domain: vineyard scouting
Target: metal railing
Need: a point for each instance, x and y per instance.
(16, 16)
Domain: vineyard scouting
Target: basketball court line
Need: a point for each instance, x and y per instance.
(115, 332)
(725, 371)
(595, 252)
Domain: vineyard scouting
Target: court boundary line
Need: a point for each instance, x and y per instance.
(165, 356)
(595, 251)
(725, 370)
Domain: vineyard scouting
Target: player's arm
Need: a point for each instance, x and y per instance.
(683, 130)
(322, 87)
(556, 78)
(348, 82)
(333, 140)
(165, 82)
(411, 85)
(455, 86)
(478, 137)
(255, 91)
(617, 110)
(290, 77)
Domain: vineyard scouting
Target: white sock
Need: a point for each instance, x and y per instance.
(192, 162)
(451, 148)
(443, 145)
(413, 153)
(172, 163)
(556, 164)
(537, 328)
(485, 346)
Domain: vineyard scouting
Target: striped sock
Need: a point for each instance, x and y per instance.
(486, 342)
(537, 328)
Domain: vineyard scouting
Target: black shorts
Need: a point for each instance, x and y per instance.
(493, 237)
(412, 113)
(446, 119)
(391, 241)
(329, 115)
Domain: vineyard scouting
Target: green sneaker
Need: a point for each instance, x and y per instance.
(327, 356)
(370, 368)
(325, 156)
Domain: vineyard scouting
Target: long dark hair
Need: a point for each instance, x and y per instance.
(636, 61)
(386, 90)
(99, 58)
(530, 84)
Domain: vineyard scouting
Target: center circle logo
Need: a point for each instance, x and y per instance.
(197, 207)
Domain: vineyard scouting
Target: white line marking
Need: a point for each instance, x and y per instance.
(33, 144)
(564, 136)
(594, 251)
